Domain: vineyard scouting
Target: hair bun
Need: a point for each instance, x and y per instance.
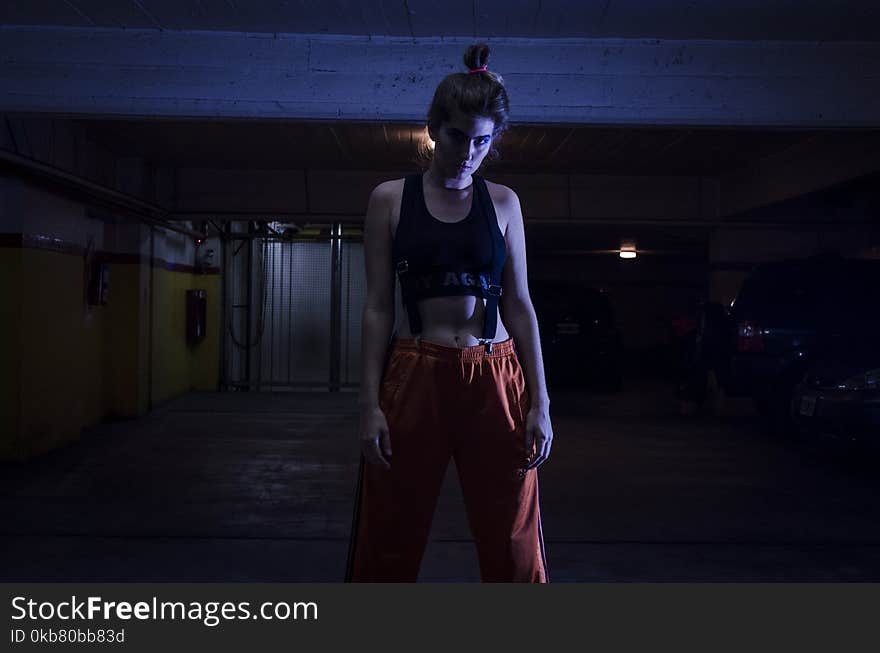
(476, 56)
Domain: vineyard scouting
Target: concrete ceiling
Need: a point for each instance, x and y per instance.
(389, 145)
(783, 20)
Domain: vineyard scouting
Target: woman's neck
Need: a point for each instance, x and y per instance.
(436, 180)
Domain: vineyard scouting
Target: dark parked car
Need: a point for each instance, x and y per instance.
(840, 395)
(785, 318)
(579, 339)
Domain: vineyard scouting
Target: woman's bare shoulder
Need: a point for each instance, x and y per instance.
(390, 188)
(503, 199)
(499, 192)
(391, 194)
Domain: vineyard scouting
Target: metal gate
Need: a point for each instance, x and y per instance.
(293, 303)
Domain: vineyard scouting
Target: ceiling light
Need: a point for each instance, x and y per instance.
(628, 250)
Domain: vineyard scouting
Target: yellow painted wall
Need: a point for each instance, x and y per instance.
(10, 352)
(122, 342)
(177, 366)
(66, 365)
(61, 356)
(143, 371)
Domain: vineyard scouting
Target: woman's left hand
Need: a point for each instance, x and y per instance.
(539, 433)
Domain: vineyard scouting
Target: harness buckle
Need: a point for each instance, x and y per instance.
(489, 289)
(402, 266)
(486, 343)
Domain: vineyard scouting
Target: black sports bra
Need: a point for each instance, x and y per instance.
(435, 258)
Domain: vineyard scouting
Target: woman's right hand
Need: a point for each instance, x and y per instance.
(375, 438)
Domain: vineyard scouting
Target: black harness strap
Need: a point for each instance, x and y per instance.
(417, 282)
(491, 321)
(406, 289)
(434, 282)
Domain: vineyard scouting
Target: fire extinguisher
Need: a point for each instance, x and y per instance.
(196, 313)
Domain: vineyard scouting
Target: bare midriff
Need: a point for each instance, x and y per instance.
(452, 321)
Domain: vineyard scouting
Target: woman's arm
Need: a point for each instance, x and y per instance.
(377, 322)
(516, 304)
(519, 318)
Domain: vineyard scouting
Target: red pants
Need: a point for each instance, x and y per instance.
(471, 405)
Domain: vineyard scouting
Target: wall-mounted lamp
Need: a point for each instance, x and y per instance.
(628, 250)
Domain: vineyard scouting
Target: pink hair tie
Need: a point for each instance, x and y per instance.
(476, 70)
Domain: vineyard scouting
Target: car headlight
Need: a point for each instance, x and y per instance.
(870, 380)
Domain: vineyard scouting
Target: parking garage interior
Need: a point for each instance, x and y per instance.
(181, 234)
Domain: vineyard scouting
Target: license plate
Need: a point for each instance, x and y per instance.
(808, 405)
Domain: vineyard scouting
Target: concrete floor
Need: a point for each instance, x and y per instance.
(258, 487)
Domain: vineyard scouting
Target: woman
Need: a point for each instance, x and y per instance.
(451, 385)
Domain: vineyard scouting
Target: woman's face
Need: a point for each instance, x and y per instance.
(461, 143)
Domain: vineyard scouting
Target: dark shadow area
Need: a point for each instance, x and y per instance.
(260, 487)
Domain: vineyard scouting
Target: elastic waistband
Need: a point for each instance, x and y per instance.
(471, 352)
